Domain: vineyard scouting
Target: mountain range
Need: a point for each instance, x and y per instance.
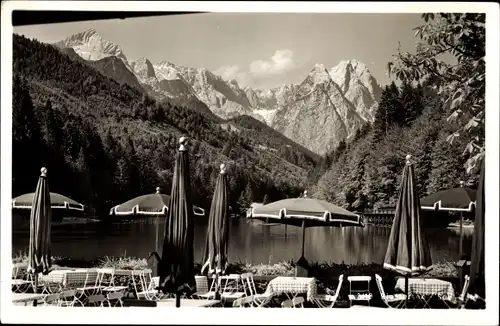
(328, 106)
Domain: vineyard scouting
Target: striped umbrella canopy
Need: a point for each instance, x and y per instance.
(149, 205)
(176, 267)
(40, 224)
(305, 212)
(458, 199)
(408, 249)
(477, 255)
(218, 227)
(57, 201)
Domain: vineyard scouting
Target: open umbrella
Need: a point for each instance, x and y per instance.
(149, 205)
(218, 227)
(40, 223)
(306, 212)
(452, 200)
(459, 199)
(407, 250)
(57, 201)
(477, 256)
(176, 266)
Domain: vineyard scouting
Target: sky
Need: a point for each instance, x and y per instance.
(260, 50)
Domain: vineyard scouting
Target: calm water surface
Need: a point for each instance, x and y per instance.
(249, 242)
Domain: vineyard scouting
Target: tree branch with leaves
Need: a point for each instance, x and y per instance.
(461, 84)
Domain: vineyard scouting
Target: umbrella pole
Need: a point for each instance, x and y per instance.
(406, 289)
(156, 247)
(303, 236)
(461, 235)
(36, 283)
(177, 300)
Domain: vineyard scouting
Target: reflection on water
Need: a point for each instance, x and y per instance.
(249, 242)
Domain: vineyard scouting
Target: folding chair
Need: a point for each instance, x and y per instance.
(231, 290)
(259, 299)
(328, 301)
(109, 286)
(463, 298)
(359, 294)
(202, 290)
(19, 284)
(399, 299)
(91, 285)
(149, 287)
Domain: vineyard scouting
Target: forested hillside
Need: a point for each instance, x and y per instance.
(437, 116)
(105, 142)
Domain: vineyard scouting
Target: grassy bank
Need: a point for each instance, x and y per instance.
(283, 268)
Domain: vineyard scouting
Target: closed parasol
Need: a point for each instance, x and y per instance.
(407, 250)
(40, 225)
(176, 266)
(218, 228)
(477, 257)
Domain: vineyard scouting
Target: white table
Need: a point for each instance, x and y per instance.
(187, 303)
(292, 286)
(425, 288)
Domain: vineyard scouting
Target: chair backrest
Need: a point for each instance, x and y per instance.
(201, 283)
(250, 283)
(378, 280)
(243, 301)
(465, 288)
(339, 286)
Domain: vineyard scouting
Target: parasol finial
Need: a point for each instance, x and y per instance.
(305, 193)
(408, 158)
(44, 171)
(157, 190)
(223, 168)
(462, 183)
(183, 143)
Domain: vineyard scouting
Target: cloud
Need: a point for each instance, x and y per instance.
(233, 72)
(279, 63)
(228, 72)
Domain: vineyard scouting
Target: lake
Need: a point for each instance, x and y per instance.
(250, 242)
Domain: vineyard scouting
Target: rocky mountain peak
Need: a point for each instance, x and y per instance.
(143, 68)
(91, 46)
